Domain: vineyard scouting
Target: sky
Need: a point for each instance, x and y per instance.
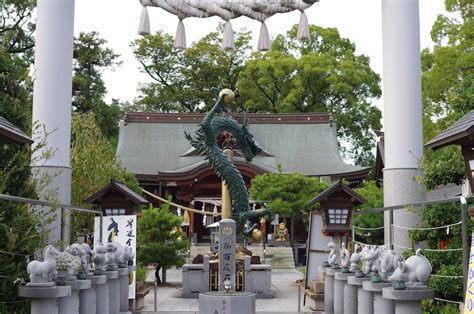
(117, 22)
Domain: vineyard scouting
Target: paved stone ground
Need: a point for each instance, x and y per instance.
(284, 288)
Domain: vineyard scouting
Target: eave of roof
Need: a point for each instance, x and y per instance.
(120, 187)
(11, 134)
(258, 118)
(336, 187)
(460, 133)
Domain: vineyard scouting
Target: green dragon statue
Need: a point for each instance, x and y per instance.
(205, 142)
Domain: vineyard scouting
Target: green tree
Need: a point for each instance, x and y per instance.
(16, 27)
(19, 235)
(91, 58)
(286, 194)
(182, 78)
(445, 263)
(448, 88)
(159, 239)
(374, 196)
(321, 75)
(94, 164)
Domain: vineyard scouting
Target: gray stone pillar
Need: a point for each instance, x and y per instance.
(114, 291)
(102, 296)
(340, 280)
(329, 290)
(350, 297)
(44, 299)
(363, 298)
(88, 297)
(70, 304)
(247, 274)
(123, 280)
(408, 301)
(381, 305)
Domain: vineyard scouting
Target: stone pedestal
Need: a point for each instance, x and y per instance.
(364, 299)
(381, 305)
(70, 304)
(329, 290)
(340, 280)
(408, 301)
(88, 297)
(350, 297)
(102, 296)
(123, 280)
(227, 303)
(44, 299)
(114, 291)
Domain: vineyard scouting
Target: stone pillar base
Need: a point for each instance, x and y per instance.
(114, 291)
(364, 298)
(44, 300)
(381, 305)
(340, 279)
(227, 303)
(123, 280)
(408, 301)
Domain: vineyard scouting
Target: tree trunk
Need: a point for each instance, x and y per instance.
(163, 275)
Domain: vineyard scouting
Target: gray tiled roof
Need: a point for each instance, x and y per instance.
(311, 149)
(10, 133)
(456, 132)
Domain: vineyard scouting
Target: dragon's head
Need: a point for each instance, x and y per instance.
(247, 145)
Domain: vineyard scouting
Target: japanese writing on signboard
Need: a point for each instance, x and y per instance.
(121, 229)
(227, 248)
(469, 299)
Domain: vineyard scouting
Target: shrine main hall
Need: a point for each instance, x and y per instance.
(153, 147)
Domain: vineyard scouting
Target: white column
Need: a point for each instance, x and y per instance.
(402, 111)
(52, 100)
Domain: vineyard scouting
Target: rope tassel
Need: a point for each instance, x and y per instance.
(228, 39)
(264, 39)
(144, 27)
(303, 28)
(180, 38)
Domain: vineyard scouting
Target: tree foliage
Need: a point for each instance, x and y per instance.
(19, 227)
(16, 27)
(447, 263)
(94, 164)
(182, 78)
(159, 239)
(91, 58)
(448, 87)
(374, 196)
(286, 194)
(321, 75)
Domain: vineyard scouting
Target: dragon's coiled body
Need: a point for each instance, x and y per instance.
(205, 142)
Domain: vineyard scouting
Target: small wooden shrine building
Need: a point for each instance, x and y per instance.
(153, 147)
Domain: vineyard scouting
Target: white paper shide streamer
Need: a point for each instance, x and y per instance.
(228, 39)
(227, 10)
(303, 28)
(180, 38)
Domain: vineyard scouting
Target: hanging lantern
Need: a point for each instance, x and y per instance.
(204, 220)
(178, 211)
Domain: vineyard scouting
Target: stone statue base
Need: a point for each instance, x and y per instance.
(227, 303)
